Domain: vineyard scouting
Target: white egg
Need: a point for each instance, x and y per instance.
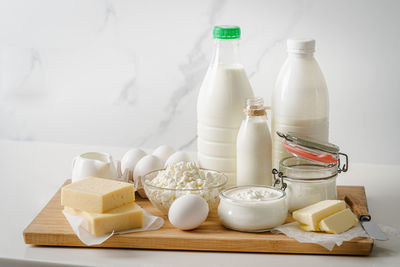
(131, 158)
(188, 212)
(178, 157)
(145, 165)
(163, 152)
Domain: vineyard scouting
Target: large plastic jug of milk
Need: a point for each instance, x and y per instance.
(220, 104)
(300, 101)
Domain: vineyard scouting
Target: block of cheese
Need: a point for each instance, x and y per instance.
(97, 194)
(123, 218)
(313, 214)
(338, 222)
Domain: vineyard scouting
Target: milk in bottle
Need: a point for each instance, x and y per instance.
(300, 101)
(254, 145)
(220, 104)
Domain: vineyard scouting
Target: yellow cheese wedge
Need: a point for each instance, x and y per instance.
(313, 214)
(119, 219)
(97, 195)
(339, 222)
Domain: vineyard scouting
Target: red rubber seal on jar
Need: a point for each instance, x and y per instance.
(325, 158)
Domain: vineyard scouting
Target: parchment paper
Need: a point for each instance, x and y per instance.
(79, 226)
(323, 239)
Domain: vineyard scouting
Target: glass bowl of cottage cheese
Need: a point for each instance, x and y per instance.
(162, 187)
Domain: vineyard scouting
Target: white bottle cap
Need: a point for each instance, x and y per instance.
(301, 45)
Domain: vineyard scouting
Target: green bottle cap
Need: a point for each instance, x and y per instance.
(226, 32)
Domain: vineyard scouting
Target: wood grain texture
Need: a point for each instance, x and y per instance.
(50, 228)
(358, 203)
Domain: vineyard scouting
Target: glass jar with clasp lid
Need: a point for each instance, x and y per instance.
(311, 173)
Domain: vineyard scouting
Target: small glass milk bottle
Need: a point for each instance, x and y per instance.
(254, 146)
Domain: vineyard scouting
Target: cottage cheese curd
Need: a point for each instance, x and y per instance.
(185, 175)
(180, 179)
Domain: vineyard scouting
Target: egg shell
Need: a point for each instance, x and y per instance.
(178, 157)
(188, 212)
(131, 158)
(145, 165)
(163, 152)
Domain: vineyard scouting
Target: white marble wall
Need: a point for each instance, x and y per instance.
(127, 73)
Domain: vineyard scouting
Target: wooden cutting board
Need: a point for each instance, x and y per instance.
(50, 228)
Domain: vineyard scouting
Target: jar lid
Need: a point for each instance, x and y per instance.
(310, 148)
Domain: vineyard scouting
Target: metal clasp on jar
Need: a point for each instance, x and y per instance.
(345, 166)
(279, 180)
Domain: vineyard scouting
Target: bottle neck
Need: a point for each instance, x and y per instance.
(301, 55)
(255, 108)
(226, 52)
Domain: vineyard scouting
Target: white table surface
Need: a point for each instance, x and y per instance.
(31, 172)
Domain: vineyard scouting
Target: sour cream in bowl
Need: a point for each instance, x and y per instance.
(252, 208)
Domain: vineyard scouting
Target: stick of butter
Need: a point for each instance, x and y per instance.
(339, 222)
(306, 227)
(313, 214)
(119, 219)
(97, 195)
